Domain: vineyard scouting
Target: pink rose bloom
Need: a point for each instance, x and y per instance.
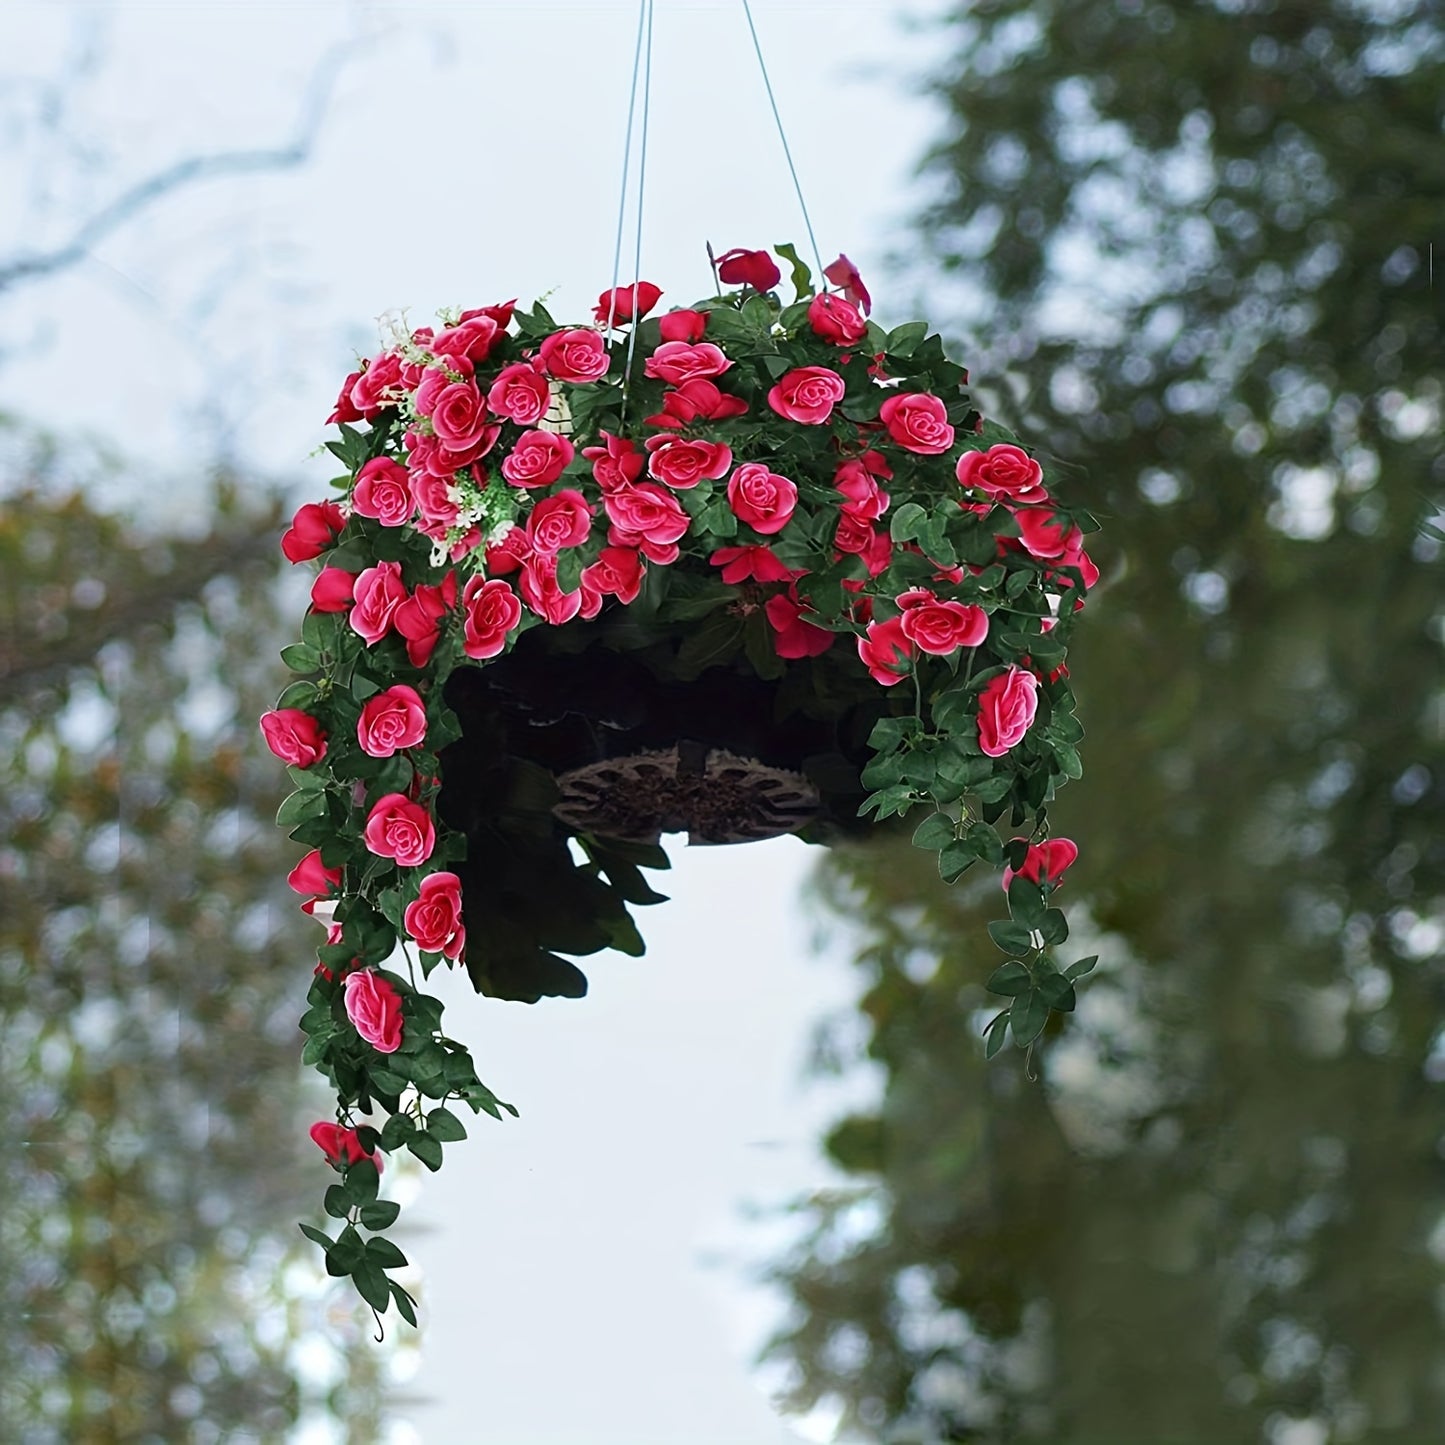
(878, 555)
(459, 418)
(756, 564)
(374, 1008)
(520, 393)
(1045, 534)
(379, 384)
(1045, 862)
(341, 1146)
(918, 422)
(886, 651)
(617, 572)
(561, 520)
(294, 736)
(433, 498)
(333, 590)
(492, 610)
(616, 464)
(682, 464)
(680, 361)
(695, 399)
(1004, 472)
(469, 340)
(941, 627)
(537, 459)
(683, 325)
(418, 619)
(383, 491)
(648, 518)
(863, 497)
(762, 499)
(541, 592)
(836, 320)
(391, 720)
(794, 636)
(844, 273)
(807, 395)
(312, 877)
(399, 829)
(579, 355)
(1006, 709)
(434, 920)
(379, 592)
(313, 529)
(748, 268)
(618, 305)
(853, 534)
(426, 456)
(509, 553)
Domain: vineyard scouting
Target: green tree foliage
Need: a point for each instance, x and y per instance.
(1195, 241)
(151, 969)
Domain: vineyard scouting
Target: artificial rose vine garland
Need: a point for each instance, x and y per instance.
(783, 486)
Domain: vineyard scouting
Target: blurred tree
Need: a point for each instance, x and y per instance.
(1198, 237)
(151, 970)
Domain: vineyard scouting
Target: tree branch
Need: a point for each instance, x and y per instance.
(144, 194)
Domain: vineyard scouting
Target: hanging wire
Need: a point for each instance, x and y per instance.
(644, 14)
(641, 184)
(782, 136)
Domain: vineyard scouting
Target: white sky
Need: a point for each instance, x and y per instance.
(471, 153)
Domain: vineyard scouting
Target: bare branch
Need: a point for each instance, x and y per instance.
(144, 194)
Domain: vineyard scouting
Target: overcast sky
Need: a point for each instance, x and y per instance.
(471, 152)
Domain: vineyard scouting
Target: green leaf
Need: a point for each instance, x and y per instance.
(316, 1236)
(1076, 971)
(1011, 937)
(386, 1081)
(1028, 1016)
(406, 1306)
(444, 1125)
(1010, 979)
(1057, 991)
(995, 1033)
(908, 521)
(384, 1254)
(903, 340)
(301, 805)
(301, 658)
(1055, 927)
(361, 1181)
(934, 832)
(396, 1131)
(380, 1215)
(955, 859)
(1026, 902)
(427, 1149)
(802, 277)
(372, 1285)
(337, 1201)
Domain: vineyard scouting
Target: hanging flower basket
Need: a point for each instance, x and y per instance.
(737, 570)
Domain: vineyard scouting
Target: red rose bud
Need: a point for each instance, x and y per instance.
(748, 268)
(334, 590)
(313, 529)
(843, 273)
(626, 303)
(312, 878)
(683, 325)
(1045, 862)
(341, 1146)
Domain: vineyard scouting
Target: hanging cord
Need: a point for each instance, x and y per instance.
(644, 14)
(787, 151)
(641, 183)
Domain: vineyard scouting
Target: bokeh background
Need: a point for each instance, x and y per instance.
(763, 1187)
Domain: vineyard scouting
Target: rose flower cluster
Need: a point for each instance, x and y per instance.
(835, 502)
